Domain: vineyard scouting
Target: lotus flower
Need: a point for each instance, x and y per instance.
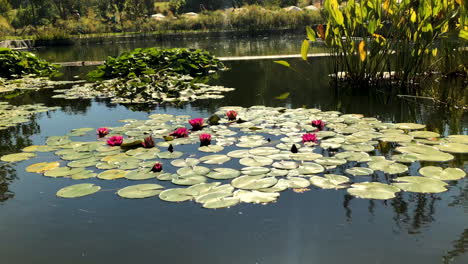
(309, 138)
(102, 132)
(196, 123)
(148, 142)
(231, 115)
(115, 141)
(205, 140)
(180, 133)
(319, 124)
(157, 167)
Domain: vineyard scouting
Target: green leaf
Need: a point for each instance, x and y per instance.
(282, 62)
(283, 96)
(311, 34)
(304, 49)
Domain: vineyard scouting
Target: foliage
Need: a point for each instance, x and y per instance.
(401, 38)
(191, 62)
(14, 64)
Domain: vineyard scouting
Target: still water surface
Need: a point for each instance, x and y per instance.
(318, 226)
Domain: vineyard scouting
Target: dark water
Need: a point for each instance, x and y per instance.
(319, 226)
(220, 46)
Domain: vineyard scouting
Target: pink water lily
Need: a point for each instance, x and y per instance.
(231, 115)
(319, 124)
(148, 142)
(180, 132)
(115, 141)
(102, 132)
(197, 123)
(205, 140)
(309, 138)
(157, 167)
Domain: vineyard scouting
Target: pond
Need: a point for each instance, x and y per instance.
(317, 226)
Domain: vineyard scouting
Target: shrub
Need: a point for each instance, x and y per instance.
(15, 64)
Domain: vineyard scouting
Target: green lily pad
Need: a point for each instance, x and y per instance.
(165, 176)
(297, 182)
(285, 165)
(252, 171)
(189, 180)
(241, 153)
(83, 163)
(203, 188)
(461, 139)
(225, 202)
(223, 174)
(39, 148)
(257, 161)
(373, 190)
(42, 167)
(253, 182)
(305, 156)
(310, 168)
(106, 166)
(358, 147)
(405, 158)
(84, 174)
(140, 174)
(410, 126)
(78, 190)
(112, 174)
(420, 184)
(424, 134)
(353, 156)
(62, 172)
(170, 155)
(189, 162)
(448, 174)
(58, 140)
(453, 147)
(193, 171)
(280, 186)
(359, 171)
(17, 157)
(177, 195)
(140, 191)
(256, 196)
(330, 161)
(264, 151)
(212, 196)
(388, 166)
(215, 159)
(211, 148)
(330, 181)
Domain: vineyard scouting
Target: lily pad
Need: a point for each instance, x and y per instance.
(256, 196)
(223, 174)
(453, 147)
(424, 134)
(189, 162)
(140, 191)
(62, 172)
(410, 126)
(78, 190)
(448, 174)
(177, 195)
(241, 153)
(222, 203)
(140, 174)
(17, 157)
(215, 159)
(285, 165)
(211, 148)
(189, 180)
(253, 182)
(420, 184)
(42, 167)
(39, 148)
(373, 190)
(310, 168)
(193, 171)
(170, 155)
(252, 171)
(264, 151)
(84, 174)
(387, 166)
(359, 171)
(330, 181)
(112, 174)
(257, 161)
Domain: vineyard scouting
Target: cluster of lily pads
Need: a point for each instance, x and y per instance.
(251, 155)
(30, 82)
(11, 115)
(164, 86)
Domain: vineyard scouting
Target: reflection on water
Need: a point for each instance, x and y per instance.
(222, 47)
(318, 226)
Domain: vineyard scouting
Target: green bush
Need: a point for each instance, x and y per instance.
(15, 64)
(191, 62)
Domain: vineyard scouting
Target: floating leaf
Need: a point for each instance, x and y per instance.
(78, 190)
(39, 148)
(189, 180)
(285, 165)
(297, 182)
(282, 96)
(189, 162)
(62, 172)
(387, 166)
(140, 174)
(256, 196)
(359, 171)
(215, 159)
(330, 181)
(223, 174)
(453, 147)
(252, 171)
(253, 182)
(42, 167)
(410, 126)
(170, 155)
(310, 168)
(373, 190)
(177, 195)
(424, 134)
(112, 174)
(448, 174)
(211, 148)
(263, 151)
(420, 184)
(257, 161)
(84, 174)
(17, 157)
(221, 203)
(140, 191)
(193, 171)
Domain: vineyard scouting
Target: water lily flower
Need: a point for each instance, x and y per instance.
(319, 124)
(205, 140)
(197, 123)
(102, 132)
(180, 132)
(148, 142)
(157, 167)
(309, 138)
(231, 115)
(115, 141)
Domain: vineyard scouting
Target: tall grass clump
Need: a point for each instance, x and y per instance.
(376, 40)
